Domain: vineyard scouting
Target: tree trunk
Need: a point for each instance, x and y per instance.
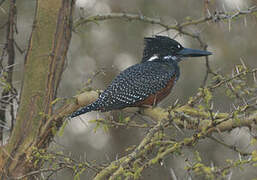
(44, 64)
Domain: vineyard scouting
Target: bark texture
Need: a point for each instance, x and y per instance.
(44, 65)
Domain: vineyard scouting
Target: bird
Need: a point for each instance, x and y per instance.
(148, 82)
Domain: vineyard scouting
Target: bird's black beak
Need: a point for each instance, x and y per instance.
(187, 52)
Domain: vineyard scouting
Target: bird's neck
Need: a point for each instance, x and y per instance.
(163, 57)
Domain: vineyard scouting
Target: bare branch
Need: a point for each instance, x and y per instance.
(218, 16)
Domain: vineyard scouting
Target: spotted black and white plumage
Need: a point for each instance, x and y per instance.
(135, 84)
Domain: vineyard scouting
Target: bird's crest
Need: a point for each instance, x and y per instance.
(159, 46)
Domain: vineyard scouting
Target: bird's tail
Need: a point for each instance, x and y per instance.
(86, 109)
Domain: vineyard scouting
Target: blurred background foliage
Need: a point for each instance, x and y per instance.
(100, 50)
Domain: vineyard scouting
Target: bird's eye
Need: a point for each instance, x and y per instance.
(179, 46)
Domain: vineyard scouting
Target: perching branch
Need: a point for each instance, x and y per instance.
(184, 117)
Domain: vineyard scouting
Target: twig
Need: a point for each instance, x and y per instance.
(229, 146)
(126, 160)
(178, 27)
(32, 173)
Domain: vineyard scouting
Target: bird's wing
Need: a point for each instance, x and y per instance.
(135, 84)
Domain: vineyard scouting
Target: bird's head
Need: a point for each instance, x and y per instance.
(159, 47)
